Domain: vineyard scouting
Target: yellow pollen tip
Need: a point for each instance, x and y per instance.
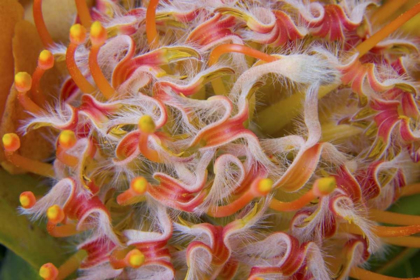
(27, 199)
(147, 124)
(98, 33)
(139, 185)
(67, 139)
(23, 81)
(135, 258)
(77, 34)
(48, 271)
(46, 60)
(11, 142)
(55, 214)
(265, 186)
(324, 186)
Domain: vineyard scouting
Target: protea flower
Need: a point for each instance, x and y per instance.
(220, 139)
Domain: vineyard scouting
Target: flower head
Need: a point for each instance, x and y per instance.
(180, 152)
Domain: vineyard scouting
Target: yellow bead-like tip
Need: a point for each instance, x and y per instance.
(77, 34)
(67, 139)
(135, 258)
(98, 33)
(265, 186)
(139, 185)
(48, 271)
(27, 199)
(11, 142)
(46, 60)
(147, 124)
(324, 186)
(55, 214)
(23, 82)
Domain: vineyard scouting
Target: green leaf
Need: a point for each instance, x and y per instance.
(28, 240)
(15, 267)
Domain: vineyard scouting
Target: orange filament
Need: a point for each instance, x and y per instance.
(386, 10)
(151, 31)
(40, 24)
(27, 199)
(383, 231)
(361, 274)
(406, 241)
(23, 83)
(62, 231)
(411, 190)
(45, 62)
(393, 218)
(48, 272)
(77, 37)
(147, 126)
(71, 265)
(321, 187)
(84, 13)
(98, 37)
(263, 187)
(227, 48)
(367, 45)
(138, 187)
(69, 160)
(11, 142)
(55, 214)
(135, 258)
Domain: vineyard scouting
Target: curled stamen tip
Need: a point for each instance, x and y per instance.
(135, 258)
(46, 60)
(55, 214)
(265, 186)
(48, 271)
(67, 139)
(147, 124)
(98, 33)
(324, 186)
(11, 142)
(23, 81)
(77, 34)
(139, 185)
(27, 199)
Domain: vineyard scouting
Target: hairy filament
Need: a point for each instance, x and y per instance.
(151, 31)
(393, 218)
(77, 37)
(40, 24)
(361, 274)
(367, 45)
(98, 37)
(84, 13)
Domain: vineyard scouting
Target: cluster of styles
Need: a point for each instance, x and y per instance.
(225, 139)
